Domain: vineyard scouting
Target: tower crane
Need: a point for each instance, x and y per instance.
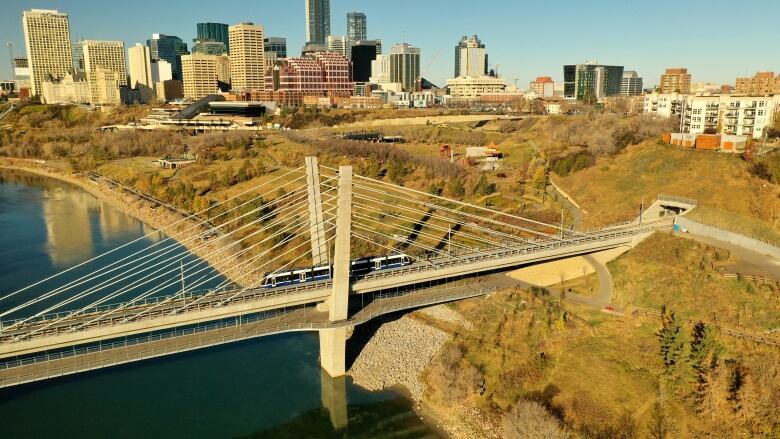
(418, 86)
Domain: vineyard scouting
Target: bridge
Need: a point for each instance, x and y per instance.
(157, 301)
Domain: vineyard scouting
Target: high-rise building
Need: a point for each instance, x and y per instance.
(470, 57)
(317, 21)
(591, 80)
(380, 70)
(209, 47)
(276, 45)
(405, 66)
(543, 86)
(247, 51)
(213, 32)
(762, 83)
(105, 66)
(78, 55)
(223, 72)
(339, 44)
(362, 54)
(676, 80)
(356, 26)
(169, 48)
(47, 37)
(139, 65)
(199, 75)
(631, 84)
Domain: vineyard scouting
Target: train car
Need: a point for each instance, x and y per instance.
(358, 267)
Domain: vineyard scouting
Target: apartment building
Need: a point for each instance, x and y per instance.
(47, 38)
(762, 83)
(748, 115)
(139, 64)
(675, 80)
(631, 84)
(543, 86)
(591, 80)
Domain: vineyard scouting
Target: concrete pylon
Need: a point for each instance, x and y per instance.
(319, 247)
(334, 398)
(333, 341)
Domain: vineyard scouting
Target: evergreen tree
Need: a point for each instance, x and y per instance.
(671, 339)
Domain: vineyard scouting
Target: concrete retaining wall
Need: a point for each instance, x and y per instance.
(730, 237)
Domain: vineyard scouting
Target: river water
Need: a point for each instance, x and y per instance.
(263, 388)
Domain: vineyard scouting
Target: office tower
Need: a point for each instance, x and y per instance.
(168, 48)
(275, 48)
(362, 54)
(321, 74)
(139, 66)
(356, 26)
(380, 70)
(676, 80)
(405, 66)
(470, 57)
(631, 84)
(339, 44)
(209, 47)
(47, 37)
(591, 80)
(214, 32)
(104, 64)
(762, 83)
(78, 55)
(247, 51)
(199, 75)
(317, 21)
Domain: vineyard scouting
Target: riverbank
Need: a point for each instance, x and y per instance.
(398, 355)
(187, 232)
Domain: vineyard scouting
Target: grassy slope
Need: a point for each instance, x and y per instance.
(731, 197)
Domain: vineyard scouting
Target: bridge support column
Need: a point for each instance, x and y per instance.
(334, 399)
(333, 341)
(319, 248)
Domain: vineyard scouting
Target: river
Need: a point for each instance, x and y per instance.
(263, 388)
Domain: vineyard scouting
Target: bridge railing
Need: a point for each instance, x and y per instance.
(383, 308)
(480, 255)
(674, 199)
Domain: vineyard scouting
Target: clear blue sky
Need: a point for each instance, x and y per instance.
(526, 38)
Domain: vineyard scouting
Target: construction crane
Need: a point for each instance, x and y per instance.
(418, 86)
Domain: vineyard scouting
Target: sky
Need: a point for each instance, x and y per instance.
(524, 39)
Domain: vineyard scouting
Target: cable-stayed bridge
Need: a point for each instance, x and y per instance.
(311, 249)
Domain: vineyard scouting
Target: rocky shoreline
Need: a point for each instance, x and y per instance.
(216, 252)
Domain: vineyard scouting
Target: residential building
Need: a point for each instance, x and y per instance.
(470, 57)
(169, 48)
(139, 65)
(317, 21)
(363, 53)
(701, 114)
(209, 47)
(748, 115)
(675, 80)
(199, 75)
(706, 88)
(356, 26)
(405, 66)
(214, 32)
(591, 80)
(664, 104)
(73, 88)
(47, 38)
(339, 44)
(631, 84)
(471, 87)
(247, 51)
(275, 48)
(543, 86)
(762, 83)
(315, 75)
(100, 58)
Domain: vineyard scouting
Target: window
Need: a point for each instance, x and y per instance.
(760, 112)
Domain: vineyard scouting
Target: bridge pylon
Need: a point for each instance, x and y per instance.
(333, 341)
(319, 247)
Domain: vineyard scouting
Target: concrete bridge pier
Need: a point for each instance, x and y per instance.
(333, 341)
(334, 399)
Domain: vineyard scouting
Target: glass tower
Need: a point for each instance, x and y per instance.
(214, 32)
(317, 21)
(356, 26)
(168, 48)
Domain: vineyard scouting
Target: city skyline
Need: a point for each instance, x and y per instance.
(522, 46)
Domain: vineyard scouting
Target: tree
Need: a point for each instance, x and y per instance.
(529, 419)
(671, 339)
(541, 178)
(456, 188)
(484, 187)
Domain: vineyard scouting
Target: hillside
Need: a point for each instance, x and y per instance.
(729, 195)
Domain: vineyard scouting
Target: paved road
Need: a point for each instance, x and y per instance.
(749, 262)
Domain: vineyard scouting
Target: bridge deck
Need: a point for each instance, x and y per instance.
(110, 354)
